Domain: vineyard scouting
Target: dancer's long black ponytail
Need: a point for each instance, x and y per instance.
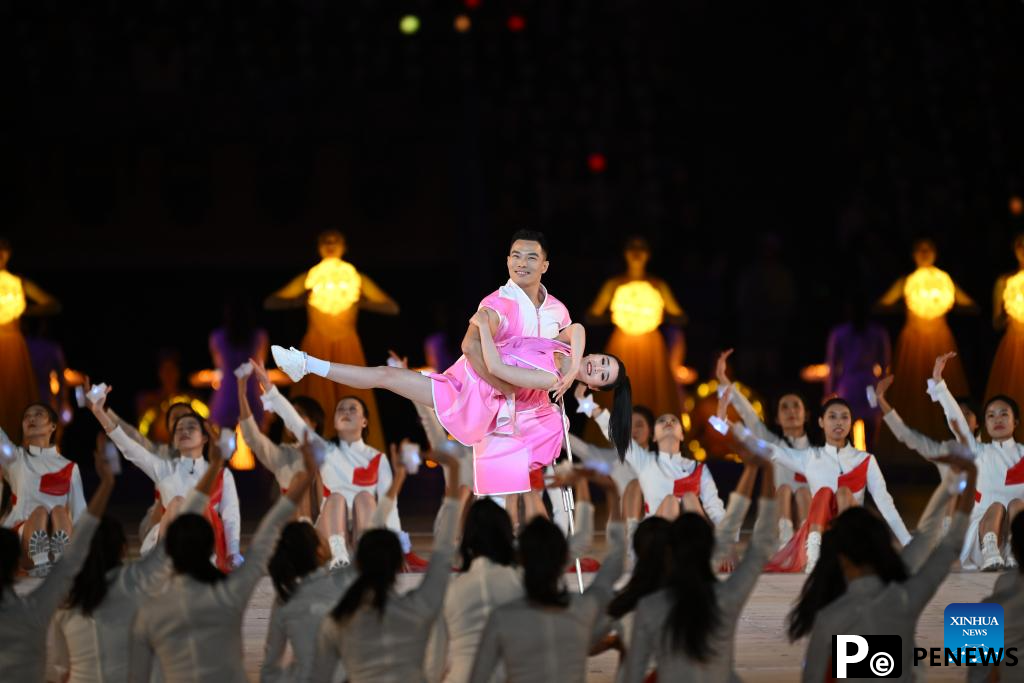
(620, 425)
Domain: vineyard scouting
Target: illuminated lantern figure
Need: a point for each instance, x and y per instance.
(1008, 313)
(637, 304)
(929, 294)
(18, 385)
(334, 292)
(637, 307)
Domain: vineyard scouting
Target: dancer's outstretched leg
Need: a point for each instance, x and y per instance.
(406, 383)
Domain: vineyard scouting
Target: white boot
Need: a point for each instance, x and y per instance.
(813, 551)
(339, 552)
(991, 558)
(785, 531)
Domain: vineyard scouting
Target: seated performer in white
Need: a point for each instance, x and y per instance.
(46, 490)
(191, 438)
(670, 481)
(1000, 474)
(354, 474)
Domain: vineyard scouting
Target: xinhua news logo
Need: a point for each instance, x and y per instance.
(867, 656)
(976, 629)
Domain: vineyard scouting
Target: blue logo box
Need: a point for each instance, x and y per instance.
(972, 624)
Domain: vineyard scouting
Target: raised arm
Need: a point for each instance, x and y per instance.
(372, 298)
(737, 400)
(939, 393)
(603, 585)
(238, 587)
(764, 541)
(912, 439)
(272, 669)
(43, 303)
(292, 295)
(429, 596)
(155, 467)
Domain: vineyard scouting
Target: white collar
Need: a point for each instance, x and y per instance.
(517, 292)
(1006, 444)
(358, 443)
(45, 451)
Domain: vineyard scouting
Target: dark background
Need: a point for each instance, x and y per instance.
(156, 155)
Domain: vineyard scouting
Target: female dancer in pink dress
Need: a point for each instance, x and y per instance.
(511, 435)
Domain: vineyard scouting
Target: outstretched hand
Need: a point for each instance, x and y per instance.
(721, 366)
(723, 403)
(940, 365)
(394, 360)
(883, 385)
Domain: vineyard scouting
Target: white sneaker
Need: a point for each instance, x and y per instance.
(813, 551)
(339, 552)
(58, 540)
(1011, 561)
(991, 558)
(291, 361)
(785, 531)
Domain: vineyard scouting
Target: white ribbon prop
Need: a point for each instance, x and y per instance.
(80, 396)
(6, 449)
(872, 396)
(97, 392)
(586, 405)
(719, 425)
(394, 362)
(243, 370)
(227, 443)
(411, 457)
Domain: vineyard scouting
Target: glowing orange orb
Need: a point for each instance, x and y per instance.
(929, 292)
(637, 307)
(12, 298)
(1013, 297)
(333, 286)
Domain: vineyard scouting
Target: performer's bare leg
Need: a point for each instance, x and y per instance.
(406, 383)
(363, 507)
(669, 508)
(333, 526)
(993, 522)
(533, 502)
(784, 501)
(803, 503)
(633, 501)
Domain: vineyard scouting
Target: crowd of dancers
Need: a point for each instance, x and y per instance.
(668, 595)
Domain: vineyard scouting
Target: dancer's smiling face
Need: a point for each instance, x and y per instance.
(836, 423)
(527, 262)
(1000, 421)
(598, 370)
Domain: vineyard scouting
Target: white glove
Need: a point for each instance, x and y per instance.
(244, 370)
(6, 449)
(236, 560)
(872, 396)
(411, 457)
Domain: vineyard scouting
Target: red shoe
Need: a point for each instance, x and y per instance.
(414, 564)
(588, 565)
